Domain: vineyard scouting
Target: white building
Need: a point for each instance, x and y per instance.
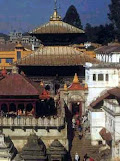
(100, 78)
(105, 121)
(110, 53)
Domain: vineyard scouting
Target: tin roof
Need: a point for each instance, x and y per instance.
(56, 56)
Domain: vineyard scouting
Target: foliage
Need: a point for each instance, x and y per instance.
(4, 36)
(114, 16)
(72, 17)
(102, 34)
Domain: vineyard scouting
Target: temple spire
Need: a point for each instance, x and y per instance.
(55, 16)
(75, 80)
(55, 1)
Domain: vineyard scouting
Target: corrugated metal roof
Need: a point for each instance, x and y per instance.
(56, 56)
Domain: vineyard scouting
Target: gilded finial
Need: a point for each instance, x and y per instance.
(55, 4)
(65, 87)
(55, 16)
(75, 80)
(41, 83)
(86, 86)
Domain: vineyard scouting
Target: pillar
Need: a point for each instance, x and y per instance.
(34, 107)
(80, 109)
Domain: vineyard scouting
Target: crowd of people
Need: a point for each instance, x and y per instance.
(77, 125)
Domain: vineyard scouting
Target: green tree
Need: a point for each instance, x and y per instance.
(114, 15)
(72, 17)
(102, 34)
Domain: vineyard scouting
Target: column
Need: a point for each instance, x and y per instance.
(80, 109)
(34, 107)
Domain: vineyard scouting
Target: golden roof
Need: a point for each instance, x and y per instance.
(56, 56)
(75, 80)
(56, 25)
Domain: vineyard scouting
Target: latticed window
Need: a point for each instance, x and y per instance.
(100, 77)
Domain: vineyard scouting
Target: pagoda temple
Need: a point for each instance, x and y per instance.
(56, 60)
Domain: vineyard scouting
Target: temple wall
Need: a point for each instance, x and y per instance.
(19, 136)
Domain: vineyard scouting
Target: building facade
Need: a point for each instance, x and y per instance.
(100, 78)
(106, 130)
(10, 53)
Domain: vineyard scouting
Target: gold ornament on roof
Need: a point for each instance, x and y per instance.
(86, 85)
(55, 16)
(75, 80)
(41, 83)
(65, 87)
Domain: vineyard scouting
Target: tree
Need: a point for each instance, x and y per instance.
(114, 15)
(72, 17)
(102, 34)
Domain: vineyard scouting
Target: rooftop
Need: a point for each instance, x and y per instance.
(56, 56)
(108, 49)
(55, 26)
(17, 85)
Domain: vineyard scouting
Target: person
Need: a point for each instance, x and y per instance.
(77, 157)
(86, 157)
(80, 128)
(80, 135)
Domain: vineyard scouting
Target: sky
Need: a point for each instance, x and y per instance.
(24, 15)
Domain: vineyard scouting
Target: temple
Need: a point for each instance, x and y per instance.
(57, 59)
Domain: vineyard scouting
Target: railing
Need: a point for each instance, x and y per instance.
(31, 121)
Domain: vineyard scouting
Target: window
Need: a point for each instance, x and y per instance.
(107, 77)
(9, 60)
(100, 77)
(18, 55)
(94, 77)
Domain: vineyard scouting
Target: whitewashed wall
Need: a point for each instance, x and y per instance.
(97, 122)
(96, 88)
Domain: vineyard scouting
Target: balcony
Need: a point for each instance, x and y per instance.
(27, 122)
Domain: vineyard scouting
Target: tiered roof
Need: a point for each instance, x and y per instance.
(56, 56)
(76, 84)
(56, 26)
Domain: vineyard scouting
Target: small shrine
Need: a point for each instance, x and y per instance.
(34, 150)
(7, 149)
(75, 96)
(56, 151)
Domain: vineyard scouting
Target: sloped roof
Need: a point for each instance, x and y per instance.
(115, 92)
(17, 85)
(108, 49)
(56, 56)
(11, 46)
(55, 26)
(76, 85)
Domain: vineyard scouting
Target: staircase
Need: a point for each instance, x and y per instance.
(84, 146)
